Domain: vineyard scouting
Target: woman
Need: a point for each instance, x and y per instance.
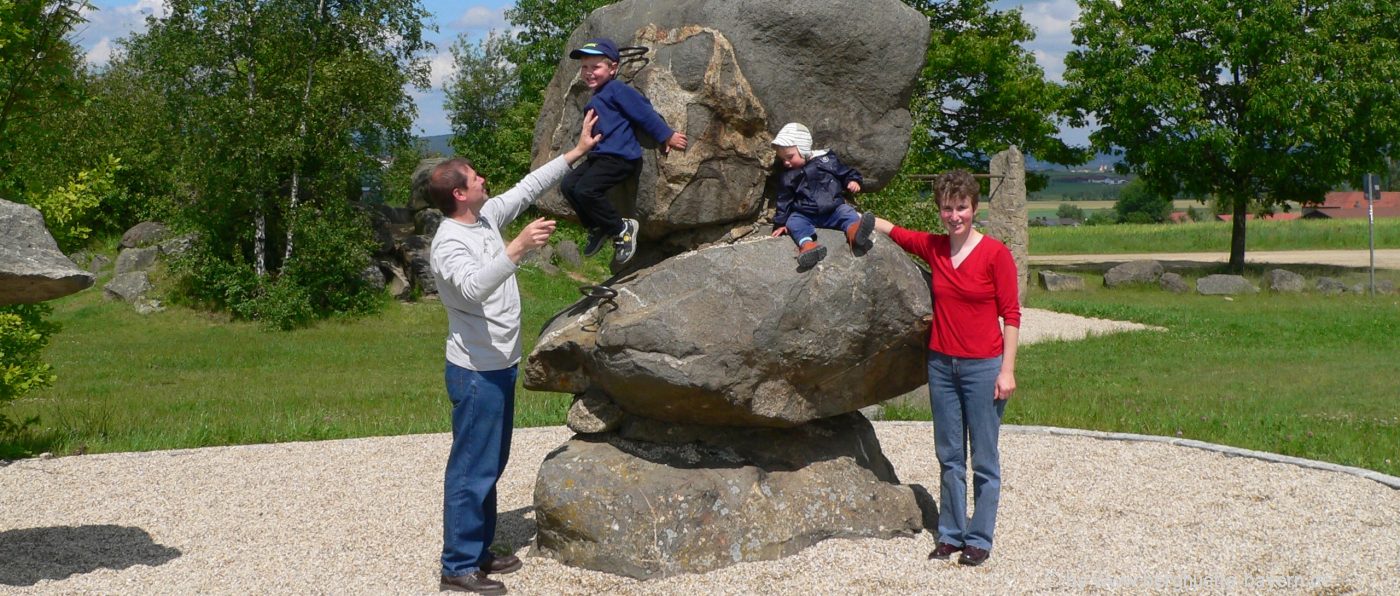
(971, 361)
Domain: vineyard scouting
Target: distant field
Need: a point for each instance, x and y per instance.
(1300, 234)
(1080, 186)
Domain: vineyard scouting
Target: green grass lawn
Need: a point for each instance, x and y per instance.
(1302, 375)
(1300, 234)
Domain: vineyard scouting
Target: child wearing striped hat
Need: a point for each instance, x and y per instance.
(809, 197)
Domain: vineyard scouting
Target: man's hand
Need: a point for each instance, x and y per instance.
(853, 186)
(780, 231)
(535, 235)
(586, 139)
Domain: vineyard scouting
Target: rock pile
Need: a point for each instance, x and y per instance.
(717, 384)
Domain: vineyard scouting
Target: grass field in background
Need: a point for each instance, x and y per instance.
(1302, 375)
(1298, 234)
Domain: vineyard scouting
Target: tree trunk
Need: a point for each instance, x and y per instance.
(1237, 230)
(259, 214)
(301, 136)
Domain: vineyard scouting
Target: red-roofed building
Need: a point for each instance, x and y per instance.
(1352, 204)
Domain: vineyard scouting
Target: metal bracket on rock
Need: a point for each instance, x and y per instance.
(600, 295)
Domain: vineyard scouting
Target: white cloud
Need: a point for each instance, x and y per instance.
(442, 67)
(100, 53)
(480, 18)
(105, 25)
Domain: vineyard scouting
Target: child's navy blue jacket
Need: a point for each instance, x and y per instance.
(619, 108)
(813, 189)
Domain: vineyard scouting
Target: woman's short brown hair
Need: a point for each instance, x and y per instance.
(954, 185)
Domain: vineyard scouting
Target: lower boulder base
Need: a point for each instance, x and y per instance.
(707, 499)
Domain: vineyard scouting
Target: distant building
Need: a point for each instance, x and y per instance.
(1352, 204)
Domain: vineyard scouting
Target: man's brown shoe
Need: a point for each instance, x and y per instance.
(503, 564)
(943, 551)
(476, 583)
(973, 556)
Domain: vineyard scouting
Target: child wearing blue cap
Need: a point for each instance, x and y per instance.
(619, 108)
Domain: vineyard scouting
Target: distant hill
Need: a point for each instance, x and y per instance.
(439, 144)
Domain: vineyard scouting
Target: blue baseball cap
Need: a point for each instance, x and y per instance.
(598, 46)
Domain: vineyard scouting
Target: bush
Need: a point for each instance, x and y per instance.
(322, 279)
(1066, 210)
(1101, 217)
(23, 334)
(72, 210)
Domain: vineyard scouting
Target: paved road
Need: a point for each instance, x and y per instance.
(1385, 258)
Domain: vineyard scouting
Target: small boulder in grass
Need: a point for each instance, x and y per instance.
(1060, 282)
(1173, 283)
(1284, 281)
(1330, 287)
(1133, 272)
(1224, 285)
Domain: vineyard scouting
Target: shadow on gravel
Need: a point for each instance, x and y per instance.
(514, 530)
(31, 555)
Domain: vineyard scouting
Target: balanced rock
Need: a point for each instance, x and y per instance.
(32, 268)
(656, 499)
(735, 335)
(729, 75)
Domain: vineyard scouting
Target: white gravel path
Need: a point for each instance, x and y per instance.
(362, 516)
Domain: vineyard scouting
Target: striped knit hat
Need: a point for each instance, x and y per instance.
(795, 135)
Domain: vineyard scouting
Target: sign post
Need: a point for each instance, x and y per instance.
(1372, 184)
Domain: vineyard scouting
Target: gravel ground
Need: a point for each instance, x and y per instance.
(363, 516)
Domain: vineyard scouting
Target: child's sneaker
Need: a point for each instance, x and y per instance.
(858, 234)
(625, 244)
(595, 242)
(809, 254)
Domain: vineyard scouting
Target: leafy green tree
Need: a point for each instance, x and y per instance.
(1253, 101)
(1068, 211)
(23, 334)
(281, 107)
(1138, 204)
(39, 77)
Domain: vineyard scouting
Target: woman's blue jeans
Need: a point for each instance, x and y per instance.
(961, 392)
(483, 408)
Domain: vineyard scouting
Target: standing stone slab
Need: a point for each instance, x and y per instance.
(32, 268)
(136, 259)
(663, 500)
(1008, 220)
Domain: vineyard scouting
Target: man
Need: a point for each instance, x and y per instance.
(474, 270)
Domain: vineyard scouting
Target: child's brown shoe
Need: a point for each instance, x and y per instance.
(858, 233)
(809, 254)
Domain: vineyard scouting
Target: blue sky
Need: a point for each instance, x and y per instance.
(115, 19)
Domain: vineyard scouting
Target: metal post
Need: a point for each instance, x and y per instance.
(1373, 189)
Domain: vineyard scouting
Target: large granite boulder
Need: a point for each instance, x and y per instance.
(729, 75)
(32, 268)
(1285, 281)
(656, 499)
(146, 233)
(736, 335)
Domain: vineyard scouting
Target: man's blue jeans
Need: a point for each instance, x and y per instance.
(801, 226)
(961, 392)
(483, 407)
